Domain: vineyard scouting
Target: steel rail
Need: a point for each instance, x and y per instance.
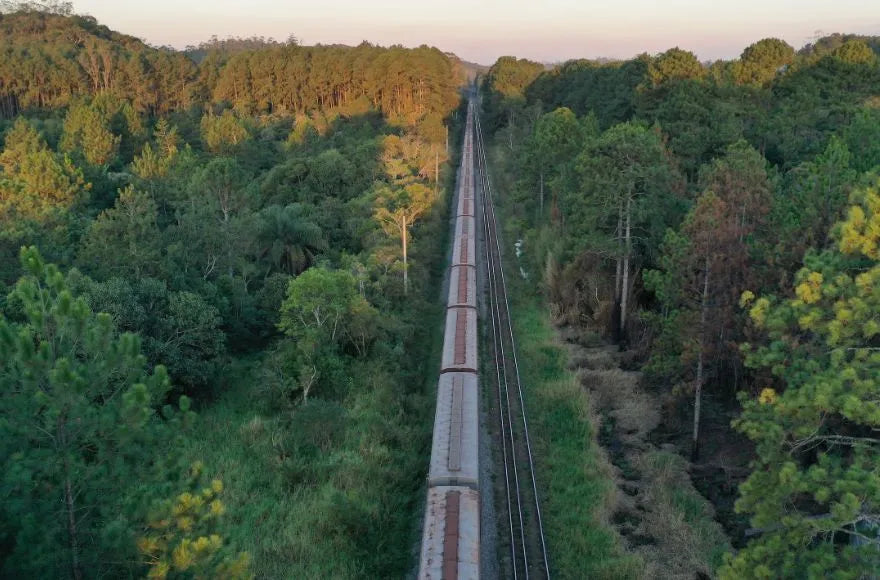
(499, 370)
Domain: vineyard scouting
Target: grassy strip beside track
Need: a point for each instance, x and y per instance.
(574, 476)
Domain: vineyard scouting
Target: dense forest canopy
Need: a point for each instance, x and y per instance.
(719, 221)
(52, 59)
(166, 218)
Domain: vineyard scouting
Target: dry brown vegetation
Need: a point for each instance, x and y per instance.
(659, 515)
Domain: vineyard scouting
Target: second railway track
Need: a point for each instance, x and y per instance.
(520, 509)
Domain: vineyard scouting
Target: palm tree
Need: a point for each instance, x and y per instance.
(288, 241)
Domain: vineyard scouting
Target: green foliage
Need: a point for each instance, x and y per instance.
(289, 240)
(814, 488)
(817, 194)
(324, 305)
(122, 241)
(628, 164)
(79, 418)
(674, 65)
(214, 216)
(70, 56)
(509, 76)
(223, 133)
(178, 329)
(404, 84)
(606, 89)
(855, 52)
(36, 184)
(86, 134)
(769, 147)
(505, 85)
(762, 61)
(154, 164)
(862, 137)
(557, 137)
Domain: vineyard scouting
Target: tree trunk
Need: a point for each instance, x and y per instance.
(69, 505)
(698, 391)
(405, 277)
(73, 540)
(308, 384)
(624, 290)
(619, 273)
(541, 212)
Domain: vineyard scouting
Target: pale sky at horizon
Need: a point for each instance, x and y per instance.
(483, 30)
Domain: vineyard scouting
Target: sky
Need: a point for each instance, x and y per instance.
(482, 30)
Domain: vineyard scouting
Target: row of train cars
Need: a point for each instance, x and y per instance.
(451, 536)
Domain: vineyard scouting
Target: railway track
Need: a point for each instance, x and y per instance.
(520, 506)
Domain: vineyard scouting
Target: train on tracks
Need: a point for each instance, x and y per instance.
(451, 534)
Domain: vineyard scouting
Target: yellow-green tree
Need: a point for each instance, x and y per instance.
(35, 183)
(323, 312)
(761, 61)
(86, 133)
(223, 133)
(674, 64)
(397, 209)
(814, 492)
(182, 539)
(155, 162)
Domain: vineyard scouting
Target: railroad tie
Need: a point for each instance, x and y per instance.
(455, 426)
(450, 536)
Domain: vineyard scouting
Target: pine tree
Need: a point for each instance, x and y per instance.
(35, 183)
(183, 539)
(814, 492)
(78, 421)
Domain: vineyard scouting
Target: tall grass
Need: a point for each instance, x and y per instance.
(336, 501)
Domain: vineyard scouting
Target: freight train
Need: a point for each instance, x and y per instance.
(451, 535)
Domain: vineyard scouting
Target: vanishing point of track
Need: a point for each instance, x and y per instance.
(528, 548)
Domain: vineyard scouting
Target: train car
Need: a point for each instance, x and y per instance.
(451, 536)
(466, 190)
(462, 287)
(465, 204)
(455, 450)
(460, 341)
(464, 248)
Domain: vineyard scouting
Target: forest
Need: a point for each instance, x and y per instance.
(220, 321)
(719, 223)
(213, 341)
